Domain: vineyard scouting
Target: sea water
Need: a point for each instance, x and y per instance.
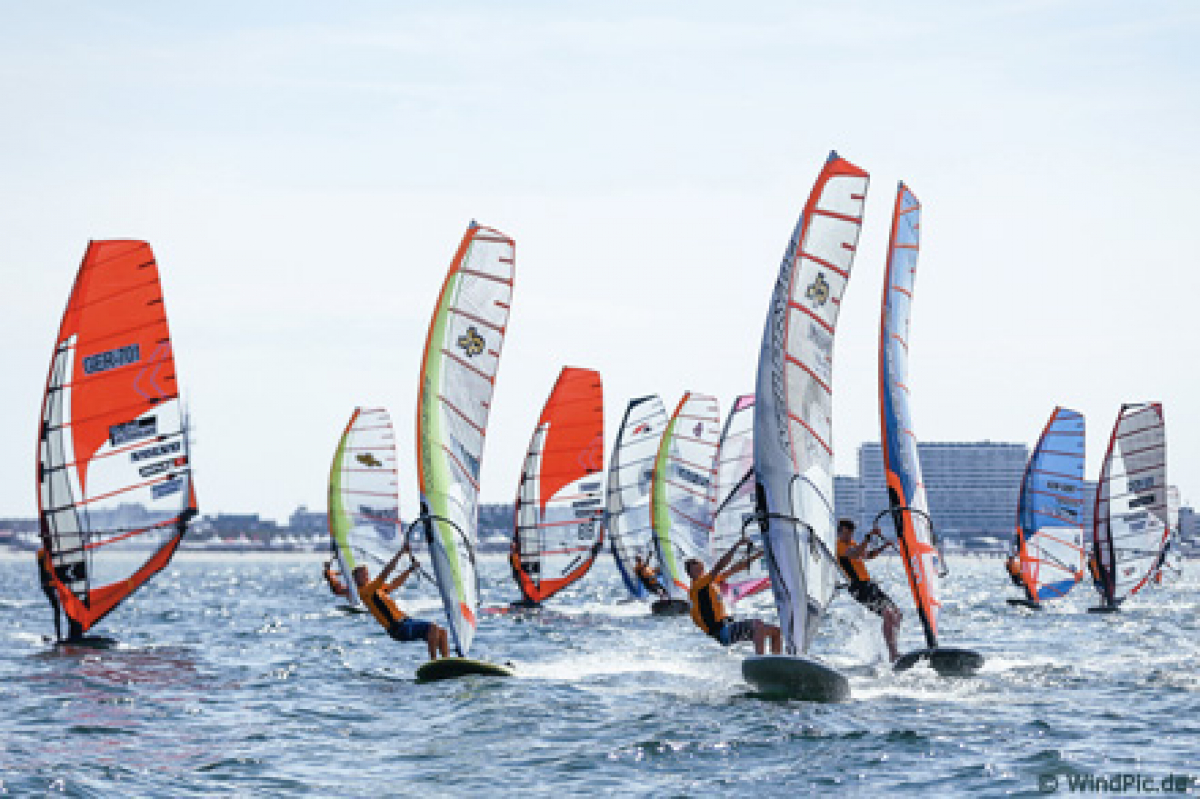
(239, 675)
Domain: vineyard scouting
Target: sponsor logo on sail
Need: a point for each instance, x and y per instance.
(111, 359)
(155, 451)
(166, 488)
(155, 468)
(641, 428)
(818, 290)
(369, 460)
(123, 433)
(471, 342)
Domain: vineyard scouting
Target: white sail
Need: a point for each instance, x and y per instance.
(630, 473)
(1131, 519)
(793, 418)
(733, 496)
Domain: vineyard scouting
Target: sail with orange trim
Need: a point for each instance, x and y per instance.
(902, 466)
(115, 490)
(560, 499)
(733, 498)
(1049, 535)
(364, 499)
(793, 404)
(680, 502)
(1131, 525)
(458, 376)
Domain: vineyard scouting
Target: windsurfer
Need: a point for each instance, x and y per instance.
(335, 585)
(400, 626)
(648, 576)
(708, 612)
(865, 590)
(46, 576)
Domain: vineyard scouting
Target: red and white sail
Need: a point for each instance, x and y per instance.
(560, 499)
(114, 471)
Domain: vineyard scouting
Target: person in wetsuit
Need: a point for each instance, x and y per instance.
(46, 577)
(335, 585)
(862, 588)
(400, 626)
(648, 576)
(708, 612)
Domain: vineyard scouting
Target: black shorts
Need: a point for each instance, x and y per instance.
(732, 632)
(870, 595)
(409, 629)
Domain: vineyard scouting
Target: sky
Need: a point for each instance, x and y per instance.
(305, 170)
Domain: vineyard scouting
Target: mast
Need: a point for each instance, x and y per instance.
(560, 507)
(458, 375)
(793, 416)
(115, 490)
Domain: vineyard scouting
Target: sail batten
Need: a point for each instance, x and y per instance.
(115, 488)
(458, 374)
(793, 455)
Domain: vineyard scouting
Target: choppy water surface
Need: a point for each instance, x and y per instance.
(239, 675)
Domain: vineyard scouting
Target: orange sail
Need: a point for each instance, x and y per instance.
(560, 504)
(114, 475)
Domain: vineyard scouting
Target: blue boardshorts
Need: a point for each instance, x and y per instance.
(732, 632)
(410, 630)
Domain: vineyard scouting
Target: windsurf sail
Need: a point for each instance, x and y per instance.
(1130, 526)
(364, 500)
(902, 466)
(114, 473)
(560, 503)
(793, 408)
(1049, 535)
(680, 491)
(630, 473)
(733, 497)
(1171, 566)
(458, 375)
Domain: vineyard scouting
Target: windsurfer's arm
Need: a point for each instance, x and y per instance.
(745, 564)
(724, 560)
(391, 564)
(399, 581)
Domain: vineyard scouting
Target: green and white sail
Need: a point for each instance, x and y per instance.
(364, 500)
(680, 494)
(458, 375)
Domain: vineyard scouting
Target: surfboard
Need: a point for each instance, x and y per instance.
(86, 642)
(670, 607)
(795, 677)
(1105, 609)
(947, 661)
(452, 668)
(1024, 603)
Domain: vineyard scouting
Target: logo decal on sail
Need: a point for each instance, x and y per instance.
(112, 359)
(471, 342)
(818, 290)
(367, 459)
(125, 432)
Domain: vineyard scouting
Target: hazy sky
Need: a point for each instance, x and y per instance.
(304, 172)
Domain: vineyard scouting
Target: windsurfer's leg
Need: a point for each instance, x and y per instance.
(891, 620)
(443, 643)
(74, 630)
(760, 637)
(431, 641)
